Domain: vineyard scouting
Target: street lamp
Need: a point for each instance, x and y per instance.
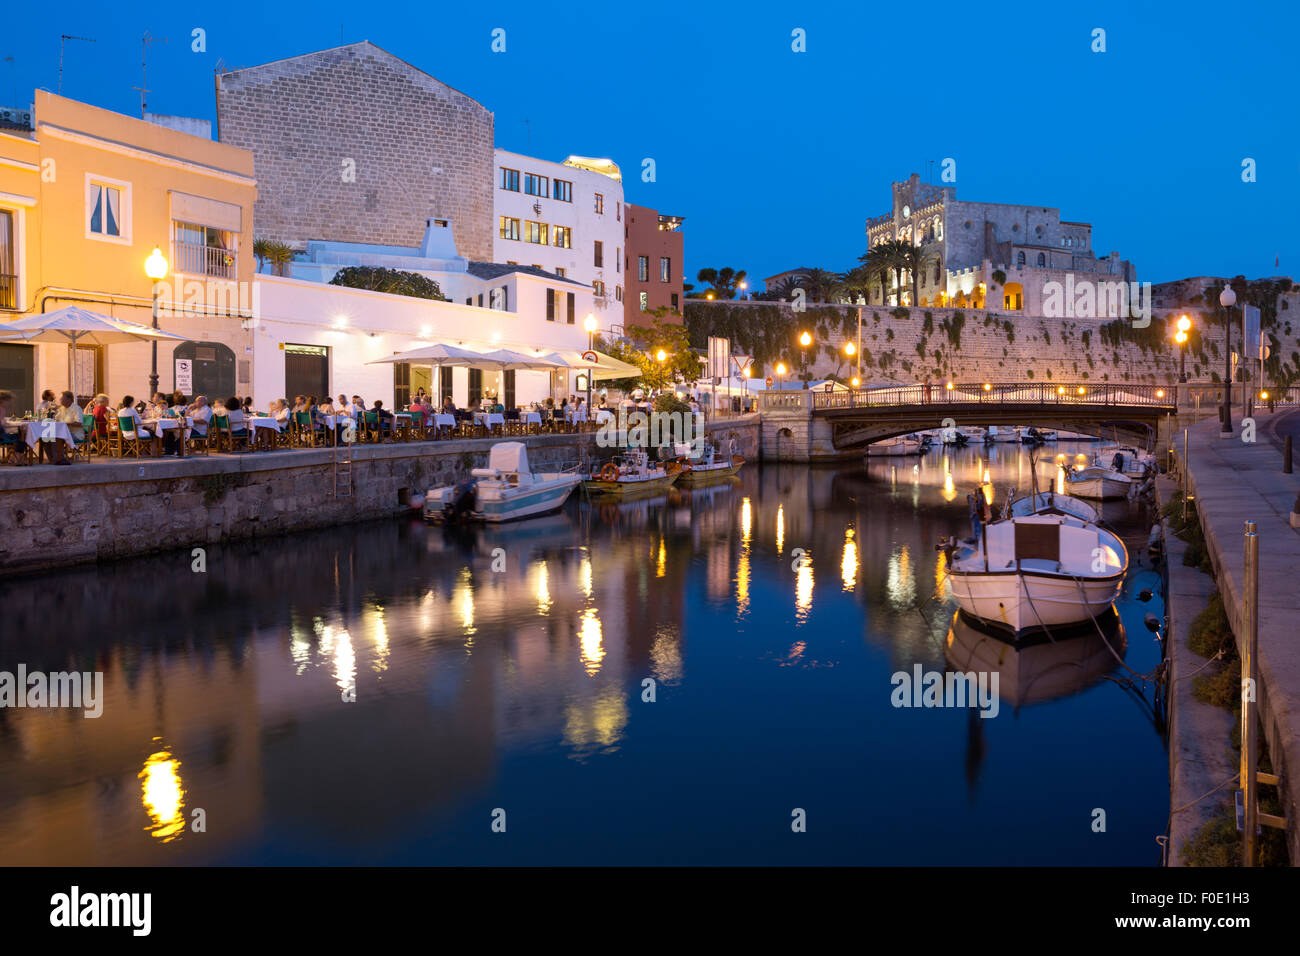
(155, 267)
(780, 372)
(1227, 299)
(589, 323)
(1184, 326)
(805, 340)
(742, 287)
(851, 350)
(661, 357)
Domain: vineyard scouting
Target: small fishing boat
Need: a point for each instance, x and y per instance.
(1127, 460)
(1099, 483)
(1050, 502)
(633, 473)
(896, 447)
(1007, 434)
(1036, 571)
(506, 490)
(710, 467)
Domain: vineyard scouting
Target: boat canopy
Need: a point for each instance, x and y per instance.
(509, 456)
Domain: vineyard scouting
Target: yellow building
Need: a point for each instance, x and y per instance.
(85, 196)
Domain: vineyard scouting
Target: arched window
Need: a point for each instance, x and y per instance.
(1042, 259)
(1020, 258)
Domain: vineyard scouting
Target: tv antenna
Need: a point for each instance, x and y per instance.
(145, 41)
(63, 41)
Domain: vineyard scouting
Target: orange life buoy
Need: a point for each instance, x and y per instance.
(609, 471)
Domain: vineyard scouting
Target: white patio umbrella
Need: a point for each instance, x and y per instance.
(77, 326)
(506, 360)
(439, 354)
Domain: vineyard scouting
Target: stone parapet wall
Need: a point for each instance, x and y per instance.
(52, 517)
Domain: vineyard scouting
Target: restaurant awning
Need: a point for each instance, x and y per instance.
(605, 367)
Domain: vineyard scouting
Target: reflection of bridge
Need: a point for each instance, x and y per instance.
(807, 424)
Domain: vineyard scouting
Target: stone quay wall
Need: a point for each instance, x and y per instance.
(54, 517)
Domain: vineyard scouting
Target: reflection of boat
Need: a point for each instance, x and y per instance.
(1096, 481)
(635, 473)
(1042, 570)
(1049, 502)
(896, 447)
(506, 490)
(709, 467)
(1038, 670)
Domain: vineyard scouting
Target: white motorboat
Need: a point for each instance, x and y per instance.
(1007, 434)
(1042, 570)
(1098, 482)
(1127, 460)
(506, 490)
(896, 447)
(633, 474)
(1050, 502)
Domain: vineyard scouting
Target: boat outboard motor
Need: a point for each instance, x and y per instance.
(1117, 462)
(464, 499)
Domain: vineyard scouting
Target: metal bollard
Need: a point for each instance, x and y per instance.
(1286, 456)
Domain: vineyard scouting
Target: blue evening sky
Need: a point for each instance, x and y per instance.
(775, 158)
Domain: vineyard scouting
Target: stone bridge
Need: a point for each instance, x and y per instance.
(807, 425)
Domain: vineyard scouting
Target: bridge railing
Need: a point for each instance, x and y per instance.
(998, 393)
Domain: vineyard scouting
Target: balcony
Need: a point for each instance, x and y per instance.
(196, 259)
(8, 291)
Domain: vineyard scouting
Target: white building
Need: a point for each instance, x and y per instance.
(565, 218)
(311, 337)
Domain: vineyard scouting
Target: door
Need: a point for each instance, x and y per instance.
(18, 375)
(213, 369)
(306, 371)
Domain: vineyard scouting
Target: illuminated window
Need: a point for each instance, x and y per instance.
(645, 301)
(665, 269)
(643, 269)
(509, 228)
(599, 288)
(563, 237)
(535, 232)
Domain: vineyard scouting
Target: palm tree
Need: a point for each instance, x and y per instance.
(821, 285)
(259, 252)
(723, 281)
(883, 258)
(914, 260)
(279, 254)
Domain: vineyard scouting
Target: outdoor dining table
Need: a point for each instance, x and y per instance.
(404, 422)
(45, 429)
(156, 427)
(603, 414)
(530, 418)
(489, 419)
(259, 425)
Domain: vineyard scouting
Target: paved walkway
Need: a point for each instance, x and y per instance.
(1235, 482)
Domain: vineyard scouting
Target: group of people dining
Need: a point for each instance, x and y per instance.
(143, 420)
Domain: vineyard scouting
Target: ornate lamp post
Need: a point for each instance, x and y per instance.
(1184, 326)
(589, 323)
(780, 373)
(805, 340)
(1227, 299)
(155, 267)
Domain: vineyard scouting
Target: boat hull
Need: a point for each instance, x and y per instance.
(894, 449)
(694, 477)
(490, 508)
(626, 487)
(1098, 489)
(1019, 601)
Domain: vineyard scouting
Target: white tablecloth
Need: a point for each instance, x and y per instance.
(489, 418)
(530, 418)
(270, 423)
(603, 414)
(444, 420)
(46, 430)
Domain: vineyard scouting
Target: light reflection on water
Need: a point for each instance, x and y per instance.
(371, 693)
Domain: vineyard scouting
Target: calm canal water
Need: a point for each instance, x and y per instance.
(521, 689)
